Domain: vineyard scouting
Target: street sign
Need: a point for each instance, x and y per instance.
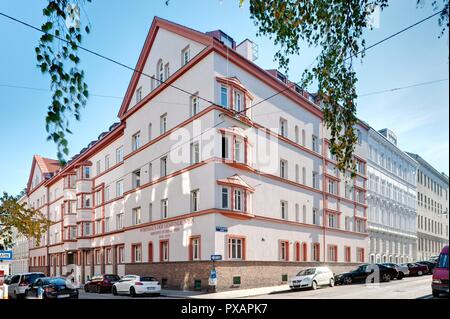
(216, 257)
(213, 278)
(5, 254)
(222, 229)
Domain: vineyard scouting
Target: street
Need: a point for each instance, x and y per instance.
(85, 295)
(408, 288)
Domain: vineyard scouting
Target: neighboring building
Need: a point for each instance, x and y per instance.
(255, 185)
(19, 264)
(391, 199)
(432, 209)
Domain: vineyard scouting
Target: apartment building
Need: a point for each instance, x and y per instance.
(219, 171)
(19, 263)
(432, 209)
(391, 199)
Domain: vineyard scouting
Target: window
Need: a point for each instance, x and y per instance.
(360, 255)
(284, 209)
(332, 187)
(107, 224)
(164, 250)
(98, 198)
(195, 153)
(163, 124)
(194, 248)
(315, 180)
(108, 256)
(194, 105)
(348, 256)
(86, 174)
(136, 253)
(120, 255)
(107, 197)
(304, 175)
(150, 212)
(237, 151)
(87, 229)
(315, 144)
(332, 253)
(136, 178)
(358, 136)
(160, 72)
(138, 95)
(185, 55)
(360, 226)
(119, 188)
(315, 252)
(136, 141)
(236, 248)
(119, 154)
(225, 198)
(97, 167)
(136, 215)
(283, 169)
(303, 137)
(107, 164)
(225, 151)
(150, 252)
(316, 217)
(332, 220)
(98, 257)
(119, 221)
(360, 167)
(164, 208)
(284, 250)
(150, 136)
(163, 166)
(194, 200)
(238, 200)
(297, 135)
(238, 102)
(283, 127)
(166, 71)
(347, 223)
(224, 96)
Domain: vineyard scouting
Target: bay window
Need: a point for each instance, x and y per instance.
(238, 200)
(225, 199)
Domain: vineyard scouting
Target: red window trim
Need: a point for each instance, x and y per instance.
(133, 256)
(305, 251)
(334, 258)
(150, 252)
(191, 248)
(348, 253)
(315, 250)
(243, 246)
(161, 242)
(118, 248)
(286, 258)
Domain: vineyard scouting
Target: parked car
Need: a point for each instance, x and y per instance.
(136, 285)
(362, 273)
(52, 288)
(20, 283)
(101, 283)
(440, 276)
(433, 259)
(416, 269)
(401, 269)
(429, 264)
(312, 278)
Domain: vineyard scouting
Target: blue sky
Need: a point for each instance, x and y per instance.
(419, 116)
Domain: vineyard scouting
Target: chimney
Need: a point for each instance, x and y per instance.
(248, 50)
(389, 135)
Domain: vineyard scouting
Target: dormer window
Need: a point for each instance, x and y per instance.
(86, 172)
(185, 56)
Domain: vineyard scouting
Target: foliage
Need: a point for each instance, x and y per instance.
(57, 56)
(27, 221)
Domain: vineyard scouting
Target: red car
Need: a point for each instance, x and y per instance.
(101, 283)
(416, 269)
(440, 275)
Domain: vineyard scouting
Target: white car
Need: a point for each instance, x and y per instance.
(312, 278)
(136, 285)
(18, 284)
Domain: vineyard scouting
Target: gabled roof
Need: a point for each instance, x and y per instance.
(237, 181)
(47, 166)
(154, 28)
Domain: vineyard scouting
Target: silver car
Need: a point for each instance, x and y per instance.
(18, 284)
(402, 270)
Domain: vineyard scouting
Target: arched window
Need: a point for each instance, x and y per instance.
(303, 137)
(304, 214)
(159, 72)
(297, 251)
(297, 137)
(304, 252)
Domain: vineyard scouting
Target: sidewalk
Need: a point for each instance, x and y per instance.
(232, 294)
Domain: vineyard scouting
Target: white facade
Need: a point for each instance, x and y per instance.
(180, 178)
(432, 209)
(392, 200)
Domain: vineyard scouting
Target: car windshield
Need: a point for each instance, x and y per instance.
(443, 261)
(148, 279)
(112, 277)
(307, 272)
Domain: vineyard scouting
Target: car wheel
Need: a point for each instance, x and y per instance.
(347, 281)
(114, 291)
(331, 282)
(420, 273)
(400, 276)
(132, 292)
(314, 285)
(386, 278)
(436, 294)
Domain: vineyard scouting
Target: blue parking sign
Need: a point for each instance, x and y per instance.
(6, 255)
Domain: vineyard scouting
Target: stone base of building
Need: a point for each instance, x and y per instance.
(230, 274)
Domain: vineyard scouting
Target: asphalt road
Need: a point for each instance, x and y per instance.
(407, 288)
(85, 295)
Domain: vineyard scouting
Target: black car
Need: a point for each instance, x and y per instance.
(361, 274)
(431, 265)
(52, 288)
(101, 283)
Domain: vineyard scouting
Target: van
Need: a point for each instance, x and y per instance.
(439, 284)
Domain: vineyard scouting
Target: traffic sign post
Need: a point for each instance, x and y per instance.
(213, 273)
